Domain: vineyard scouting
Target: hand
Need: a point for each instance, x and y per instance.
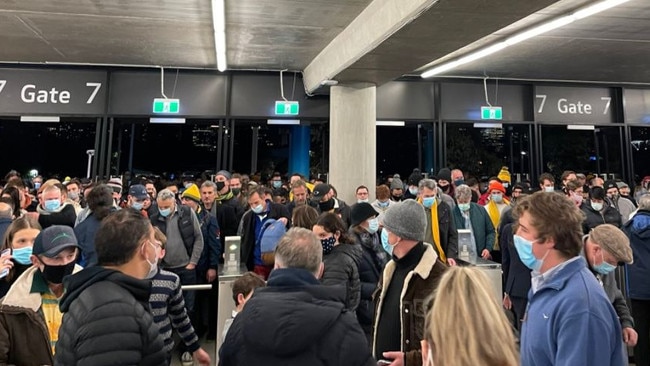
(630, 336)
(201, 357)
(190, 267)
(211, 275)
(485, 254)
(451, 262)
(284, 220)
(506, 302)
(5, 262)
(397, 357)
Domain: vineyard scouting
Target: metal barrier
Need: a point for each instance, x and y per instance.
(196, 287)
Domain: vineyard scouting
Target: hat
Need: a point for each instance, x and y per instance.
(406, 219)
(612, 240)
(192, 192)
(610, 184)
(320, 190)
(597, 193)
(138, 191)
(621, 185)
(225, 173)
(496, 185)
(53, 240)
(444, 174)
(396, 183)
(504, 175)
(361, 212)
(415, 178)
(115, 183)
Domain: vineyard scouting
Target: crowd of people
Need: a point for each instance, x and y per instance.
(97, 269)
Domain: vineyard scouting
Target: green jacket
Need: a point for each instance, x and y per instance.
(482, 227)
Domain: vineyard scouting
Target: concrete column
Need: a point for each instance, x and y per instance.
(353, 138)
(299, 150)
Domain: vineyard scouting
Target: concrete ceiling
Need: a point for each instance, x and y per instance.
(289, 34)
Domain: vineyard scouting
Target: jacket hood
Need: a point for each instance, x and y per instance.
(291, 314)
(64, 205)
(640, 224)
(77, 283)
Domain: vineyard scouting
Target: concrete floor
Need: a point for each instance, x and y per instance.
(208, 346)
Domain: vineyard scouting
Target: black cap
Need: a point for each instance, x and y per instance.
(54, 240)
(320, 190)
(138, 191)
(361, 212)
(610, 184)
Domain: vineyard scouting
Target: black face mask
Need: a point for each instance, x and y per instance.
(444, 188)
(236, 191)
(55, 274)
(327, 205)
(220, 185)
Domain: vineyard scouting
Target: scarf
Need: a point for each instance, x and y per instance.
(495, 217)
(225, 197)
(435, 229)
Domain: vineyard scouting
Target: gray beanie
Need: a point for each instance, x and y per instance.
(396, 183)
(406, 219)
(225, 173)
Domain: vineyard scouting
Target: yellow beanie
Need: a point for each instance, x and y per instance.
(192, 192)
(504, 174)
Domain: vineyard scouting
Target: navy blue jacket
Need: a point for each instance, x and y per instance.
(638, 230)
(516, 276)
(85, 233)
(4, 224)
(212, 248)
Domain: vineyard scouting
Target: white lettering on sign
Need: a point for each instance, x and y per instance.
(2, 84)
(541, 105)
(608, 99)
(564, 107)
(97, 86)
(29, 94)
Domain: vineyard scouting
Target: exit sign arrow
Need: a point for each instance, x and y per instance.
(494, 113)
(286, 108)
(170, 106)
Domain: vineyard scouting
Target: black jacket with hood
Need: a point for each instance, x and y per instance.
(106, 321)
(295, 321)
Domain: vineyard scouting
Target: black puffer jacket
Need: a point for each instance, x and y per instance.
(342, 269)
(294, 321)
(594, 218)
(106, 321)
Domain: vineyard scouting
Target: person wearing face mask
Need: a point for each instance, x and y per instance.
(382, 202)
(546, 183)
(623, 205)
(73, 188)
(54, 210)
(445, 182)
(457, 177)
(396, 188)
(137, 197)
(324, 200)
(362, 194)
(605, 248)
(486, 338)
(569, 319)
(409, 278)
(100, 203)
(225, 196)
(275, 181)
(440, 227)
(574, 192)
(469, 215)
(106, 317)
(504, 177)
(412, 184)
(341, 256)
(365, 232)
(496, 208)
(261, 210)
(598, 211)
(31, 307)
(19, 240)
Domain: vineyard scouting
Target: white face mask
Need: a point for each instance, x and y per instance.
(153, 266)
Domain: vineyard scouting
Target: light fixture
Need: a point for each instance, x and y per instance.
(581, 127)
(391, 123)
(283, 122)
(219, 26)
(488, 125)
(166, 120)
(329, 82)
(40, 119)
(522, 36)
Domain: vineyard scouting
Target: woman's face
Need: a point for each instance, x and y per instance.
(24, 238)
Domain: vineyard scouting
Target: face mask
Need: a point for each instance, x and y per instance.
(388, 247)
(277, 184)
(22, 255)
(373, 225)
(428, 202)
(362, 201)
(153, 265)
(52, 205)
(549, 189)
(505, 185)
(413, 191)
(328, 244)
(525, 250)
(498, 198)
(464, 207)
(383, 204)
(55, 274)
(73, 196)
(444, 188)
(577, 198)
(137, 205)
(459, 182)
(327, 205)
(603, 268)
(37, 185)
(236, 191)
(187, 185)
(597, 206)
(220, 185)
(258, 209)
(165, 212)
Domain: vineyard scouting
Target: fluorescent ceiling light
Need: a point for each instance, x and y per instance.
(40, 119)
(581, 127)
(522, 36)
(219, 25)
(166, 120)
(488, 125)
(283, 121)
(391, 123)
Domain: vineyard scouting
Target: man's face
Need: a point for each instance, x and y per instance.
(207, 195)
(166, 204)
(546, 183)
(235, 183)
(174, 189)
(569, 178)
(52, 194)
(516, 192)
(151, 190)
(427, 192)
(612, 192)
(300, 195)
(65, 257)
(362, 194)
(597, 255)
(255, 200)
(625, 191)
(397, 192)
(189, 203)
(72, 188)
(226, 183)
(496, 192)
(526, 230)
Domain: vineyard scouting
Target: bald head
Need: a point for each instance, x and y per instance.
(6, 211)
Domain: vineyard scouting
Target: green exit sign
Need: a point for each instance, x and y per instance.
(491, 113)
(162, 105)
(283, 108)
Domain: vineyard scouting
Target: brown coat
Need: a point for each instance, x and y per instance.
(419, 286)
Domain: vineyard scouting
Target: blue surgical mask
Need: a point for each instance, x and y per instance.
(37, 185)
(165, 212)
(137, 205)
(463, 207)
(505, 185)
(597, 205)
(383, 204)
(428, 201)
(22, 255)
(413, 191)
(603, 268)
(549, 189)
(384, 242)
(52, 205)
(497, 198)
(258, 209)
(328, 244)
(525, 250)
(373, 225)
(277, 184)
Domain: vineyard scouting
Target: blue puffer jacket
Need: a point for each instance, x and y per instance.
(638, 230)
